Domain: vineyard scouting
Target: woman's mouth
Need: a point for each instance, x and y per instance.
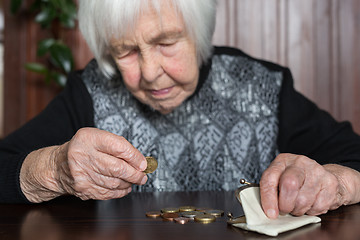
(161, 92)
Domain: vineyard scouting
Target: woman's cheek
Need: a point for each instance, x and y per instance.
(131, 78)
(130, 73)
(175, 66)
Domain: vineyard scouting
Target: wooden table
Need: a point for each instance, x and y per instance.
(121, 219)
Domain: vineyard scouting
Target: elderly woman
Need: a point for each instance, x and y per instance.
(211, 116)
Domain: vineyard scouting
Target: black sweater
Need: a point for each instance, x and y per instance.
(303, 128)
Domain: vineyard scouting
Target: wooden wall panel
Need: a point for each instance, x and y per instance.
(334, 49)
(26, 93)
(349, 39)
(323, 84)
(270, 29)
(14, 74)
(300, 37)
(317, 39)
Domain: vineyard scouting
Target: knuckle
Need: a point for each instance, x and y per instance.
(114, 184)
(285, 208)
(303, 201)
(318, 170)
(281, 157)
(302, 161)
(134, 177)
(120, 194)
(299, 211)
(317, 210)
(114, 194)
(119, 170)
(290, 183)
(82, 133)
(103, 192)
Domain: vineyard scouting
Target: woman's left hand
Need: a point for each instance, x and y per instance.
(298, 185)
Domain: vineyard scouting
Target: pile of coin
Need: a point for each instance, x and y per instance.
(184, 214)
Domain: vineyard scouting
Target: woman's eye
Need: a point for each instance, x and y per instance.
(166, 44)
(127, 54)
(168, 49)
(132, 52)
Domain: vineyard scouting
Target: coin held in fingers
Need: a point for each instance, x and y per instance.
(151, 165)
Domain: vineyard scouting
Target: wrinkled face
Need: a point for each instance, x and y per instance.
(158, 60)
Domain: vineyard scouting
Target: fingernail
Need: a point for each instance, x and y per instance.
(143, 181)
(271, 213)
(129, 190)
(143, 165)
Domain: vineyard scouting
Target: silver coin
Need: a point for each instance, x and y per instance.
(191, 214)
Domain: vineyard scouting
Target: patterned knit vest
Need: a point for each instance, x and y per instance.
(226, 131)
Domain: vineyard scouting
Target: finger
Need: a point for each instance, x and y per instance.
(290, 184)
(99, 193)
(269, 189)
(306, 197)
(114, 145)
(110, 182)
(327, 198)
(321, 204)
(117, 168)
(122, 149)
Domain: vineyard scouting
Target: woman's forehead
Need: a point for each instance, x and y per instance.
(153, 26)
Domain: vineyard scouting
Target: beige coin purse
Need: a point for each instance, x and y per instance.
(257, 221)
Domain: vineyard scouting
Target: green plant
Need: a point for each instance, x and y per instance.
(50, 14)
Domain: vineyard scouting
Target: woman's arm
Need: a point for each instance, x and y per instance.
(69, 111)
(94, 164)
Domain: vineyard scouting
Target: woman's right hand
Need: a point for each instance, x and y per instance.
(94, 164)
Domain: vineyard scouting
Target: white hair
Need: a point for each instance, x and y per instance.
(100, 20)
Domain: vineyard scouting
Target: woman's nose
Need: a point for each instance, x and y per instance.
(150, 67)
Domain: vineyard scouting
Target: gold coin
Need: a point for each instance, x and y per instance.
(170, 210)
(151, 165)
(153, 214)
(202, 209)
(241, 219)
(187, 208)
(206, 218)
(214, 212)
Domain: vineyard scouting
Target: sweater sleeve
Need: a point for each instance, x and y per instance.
(71, 110)
(305, 129)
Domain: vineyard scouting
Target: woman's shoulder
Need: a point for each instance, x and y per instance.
(236, 53)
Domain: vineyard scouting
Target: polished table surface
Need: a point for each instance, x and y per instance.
(120, 219)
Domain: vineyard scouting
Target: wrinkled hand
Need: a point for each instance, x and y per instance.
(100, 165)
(94, 164)
(298, 185)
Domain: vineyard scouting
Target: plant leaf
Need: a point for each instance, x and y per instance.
(36, 6)
(15, 6)
(68, 13)
(61, 57)
(36, 67)
(44, 46)
(45, 16)
(59, 78)
(66, 21)
(56, 3)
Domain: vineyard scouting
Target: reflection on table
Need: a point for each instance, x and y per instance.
(71, 218)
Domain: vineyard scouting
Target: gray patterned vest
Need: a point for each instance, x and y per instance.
(226, 131)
